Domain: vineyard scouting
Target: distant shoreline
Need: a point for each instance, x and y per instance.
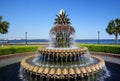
(41, 41)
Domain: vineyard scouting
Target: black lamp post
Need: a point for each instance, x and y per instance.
(26, 38)
(98, 37)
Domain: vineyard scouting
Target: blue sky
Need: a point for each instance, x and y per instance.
(36, 17)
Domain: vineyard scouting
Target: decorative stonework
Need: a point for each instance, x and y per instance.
(63, 72)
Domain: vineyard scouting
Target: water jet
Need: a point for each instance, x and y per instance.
(61, 60)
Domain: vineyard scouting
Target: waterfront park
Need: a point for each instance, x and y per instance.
(61, 57)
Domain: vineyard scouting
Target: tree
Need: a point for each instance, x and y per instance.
(114, 28)
(4, 25)
(62, 18)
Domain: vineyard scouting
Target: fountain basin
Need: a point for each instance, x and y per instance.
(58, 73)
(7, 73)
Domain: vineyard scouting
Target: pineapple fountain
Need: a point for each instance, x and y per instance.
(62, 61)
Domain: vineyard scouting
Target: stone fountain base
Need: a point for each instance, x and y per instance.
(31, 71)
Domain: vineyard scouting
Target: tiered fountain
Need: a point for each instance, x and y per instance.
(62, 61)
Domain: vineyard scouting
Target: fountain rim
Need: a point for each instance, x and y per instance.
(62, 71)
(76, 49)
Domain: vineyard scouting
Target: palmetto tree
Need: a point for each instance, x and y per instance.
(62, 18)
(114, 28)
(4, 25)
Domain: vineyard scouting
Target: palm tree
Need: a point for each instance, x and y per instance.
(62, 18)
(4, 25)
(114, 28)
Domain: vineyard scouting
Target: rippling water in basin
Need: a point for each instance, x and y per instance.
(11, 72)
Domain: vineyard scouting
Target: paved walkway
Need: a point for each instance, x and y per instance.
(11, 60)
(111, 59)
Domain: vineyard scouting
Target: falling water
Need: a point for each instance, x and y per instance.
(62, 54)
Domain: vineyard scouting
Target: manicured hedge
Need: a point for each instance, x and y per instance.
(17, 49)
(92, 47)
(102, 48)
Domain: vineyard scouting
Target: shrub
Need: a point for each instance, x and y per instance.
(92, 47)
(17, 49)
(102, 48)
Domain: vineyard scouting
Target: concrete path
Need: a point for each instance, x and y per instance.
(10, 59)
(111, 59)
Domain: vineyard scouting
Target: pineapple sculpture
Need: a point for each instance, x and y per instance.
(62, 33)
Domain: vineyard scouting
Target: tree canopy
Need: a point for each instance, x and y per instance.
(114, 28)
(4, 25)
